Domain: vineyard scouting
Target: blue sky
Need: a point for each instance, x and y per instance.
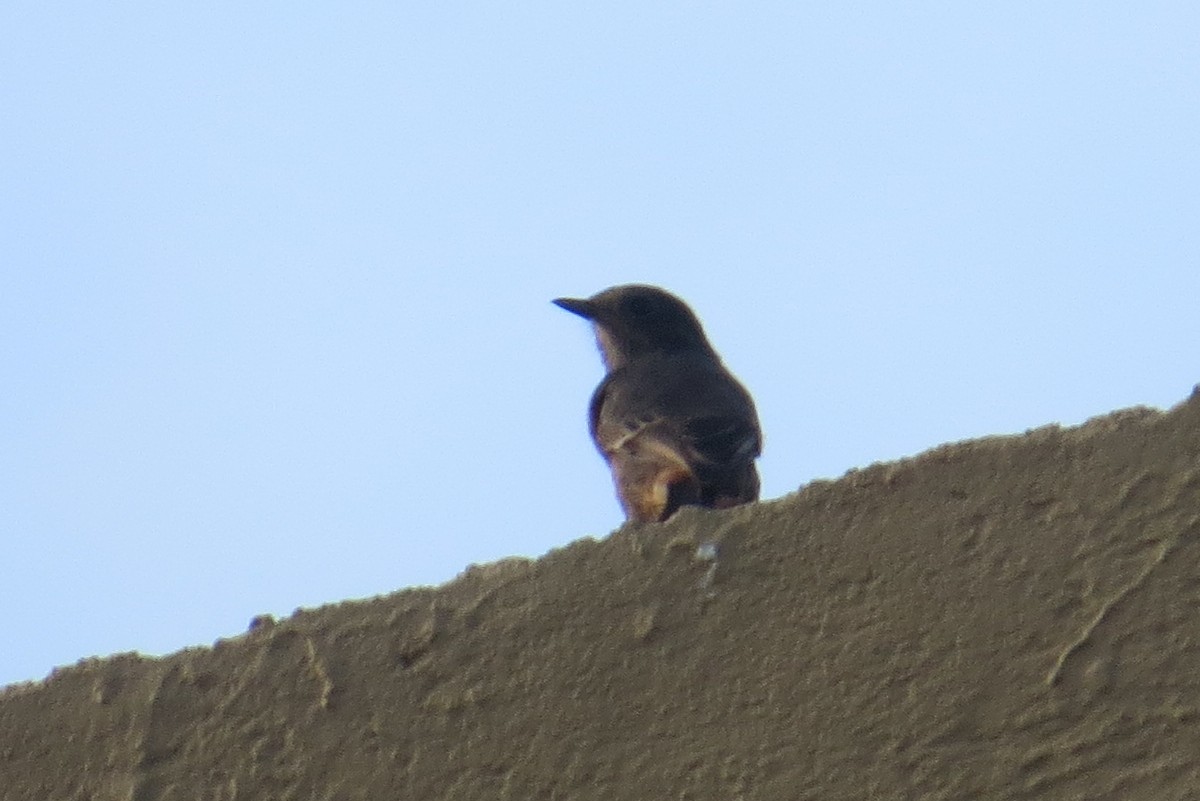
(275, 326)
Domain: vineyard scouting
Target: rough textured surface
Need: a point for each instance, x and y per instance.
(1009, 618)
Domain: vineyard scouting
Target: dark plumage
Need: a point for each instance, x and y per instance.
(675, 427)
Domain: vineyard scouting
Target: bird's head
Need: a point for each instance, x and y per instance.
(635, 320)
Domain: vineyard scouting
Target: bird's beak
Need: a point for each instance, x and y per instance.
(584, 308)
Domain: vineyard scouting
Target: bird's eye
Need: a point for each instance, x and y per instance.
(639, 306)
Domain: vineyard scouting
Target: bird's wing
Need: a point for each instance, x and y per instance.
(723, 439)
(690, 445)
(715, 430)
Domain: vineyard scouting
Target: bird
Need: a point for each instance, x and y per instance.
(674, 425)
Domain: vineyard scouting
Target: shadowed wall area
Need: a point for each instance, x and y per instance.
(1006, 618)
